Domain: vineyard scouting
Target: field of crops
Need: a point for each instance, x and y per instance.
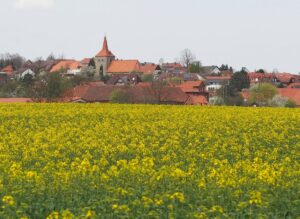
(135, 161)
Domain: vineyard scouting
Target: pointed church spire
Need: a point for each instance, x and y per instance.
(105, 52)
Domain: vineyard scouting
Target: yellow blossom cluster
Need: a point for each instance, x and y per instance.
(141, 161)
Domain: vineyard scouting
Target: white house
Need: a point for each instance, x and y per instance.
(211, 70)
(214, 83)
(27, 72)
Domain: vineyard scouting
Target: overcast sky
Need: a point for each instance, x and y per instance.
(251, 33)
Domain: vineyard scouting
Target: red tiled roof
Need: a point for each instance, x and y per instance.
(173, 94)
(8, 69)
(190, 86)
(172, 65)
(144, 84)
(294, 85)
(85, 61)
(198, 100)
(96, 83)
(148, 68)
(291, 93)
(138, 94)
(124, 66)
(105, 52)
(284, 77)
(65, 65)
(15, 100)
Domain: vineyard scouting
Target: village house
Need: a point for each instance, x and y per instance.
(27, 72)
(214, 83)
(67, 67)
(173, 68)
(196, 91)
(291, 93)
(277, 79)
(150, 69)
(137, 94)
(7, 70)
(124, 79)
(210, 70)
(107, 64)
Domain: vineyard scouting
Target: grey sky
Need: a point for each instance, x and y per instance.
(252, 33)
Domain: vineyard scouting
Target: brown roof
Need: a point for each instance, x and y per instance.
(294, 85)
(137, 94)
(105, 52)
(66, 65)
(291, 93)
(124, 66)
(190, 86)
(8, 69)
(198, 100)
(124, 79)
(15, 100)
(148, 68)
(285, 77)
(85, 61)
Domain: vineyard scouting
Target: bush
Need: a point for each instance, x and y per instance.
(147, 78)
(278, 101)
(120, 96)
(261, 94)
(216, 101)
(290, 104)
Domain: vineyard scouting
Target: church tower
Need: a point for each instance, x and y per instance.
(103, 60)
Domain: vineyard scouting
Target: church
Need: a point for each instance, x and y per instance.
(107, 64)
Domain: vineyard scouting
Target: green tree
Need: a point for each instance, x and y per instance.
(262, 94)
(239, 81)
(28, 80)
(195, 67)
(147, 78)
(290, 104)
(176, 80)
(55, 86)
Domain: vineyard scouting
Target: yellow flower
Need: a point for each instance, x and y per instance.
(53, 215)
(8, 200)
(178, 196)
(255, 198)
(67, 215)
(90, 214)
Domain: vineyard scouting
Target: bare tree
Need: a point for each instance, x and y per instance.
(51, 57)
(187, 57)
(11, 59)
(157, 88)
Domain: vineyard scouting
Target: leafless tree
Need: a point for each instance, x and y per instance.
(51, 57)
(187, 57)
(11, 59)
(157, 88)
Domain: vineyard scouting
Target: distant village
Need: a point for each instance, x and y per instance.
(105, 78)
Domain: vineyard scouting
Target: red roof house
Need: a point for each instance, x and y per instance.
(291, 93)
(9, 70)
(65, 65)
(15, 100)
(124, 66)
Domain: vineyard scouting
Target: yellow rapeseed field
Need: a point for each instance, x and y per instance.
(138, 161)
